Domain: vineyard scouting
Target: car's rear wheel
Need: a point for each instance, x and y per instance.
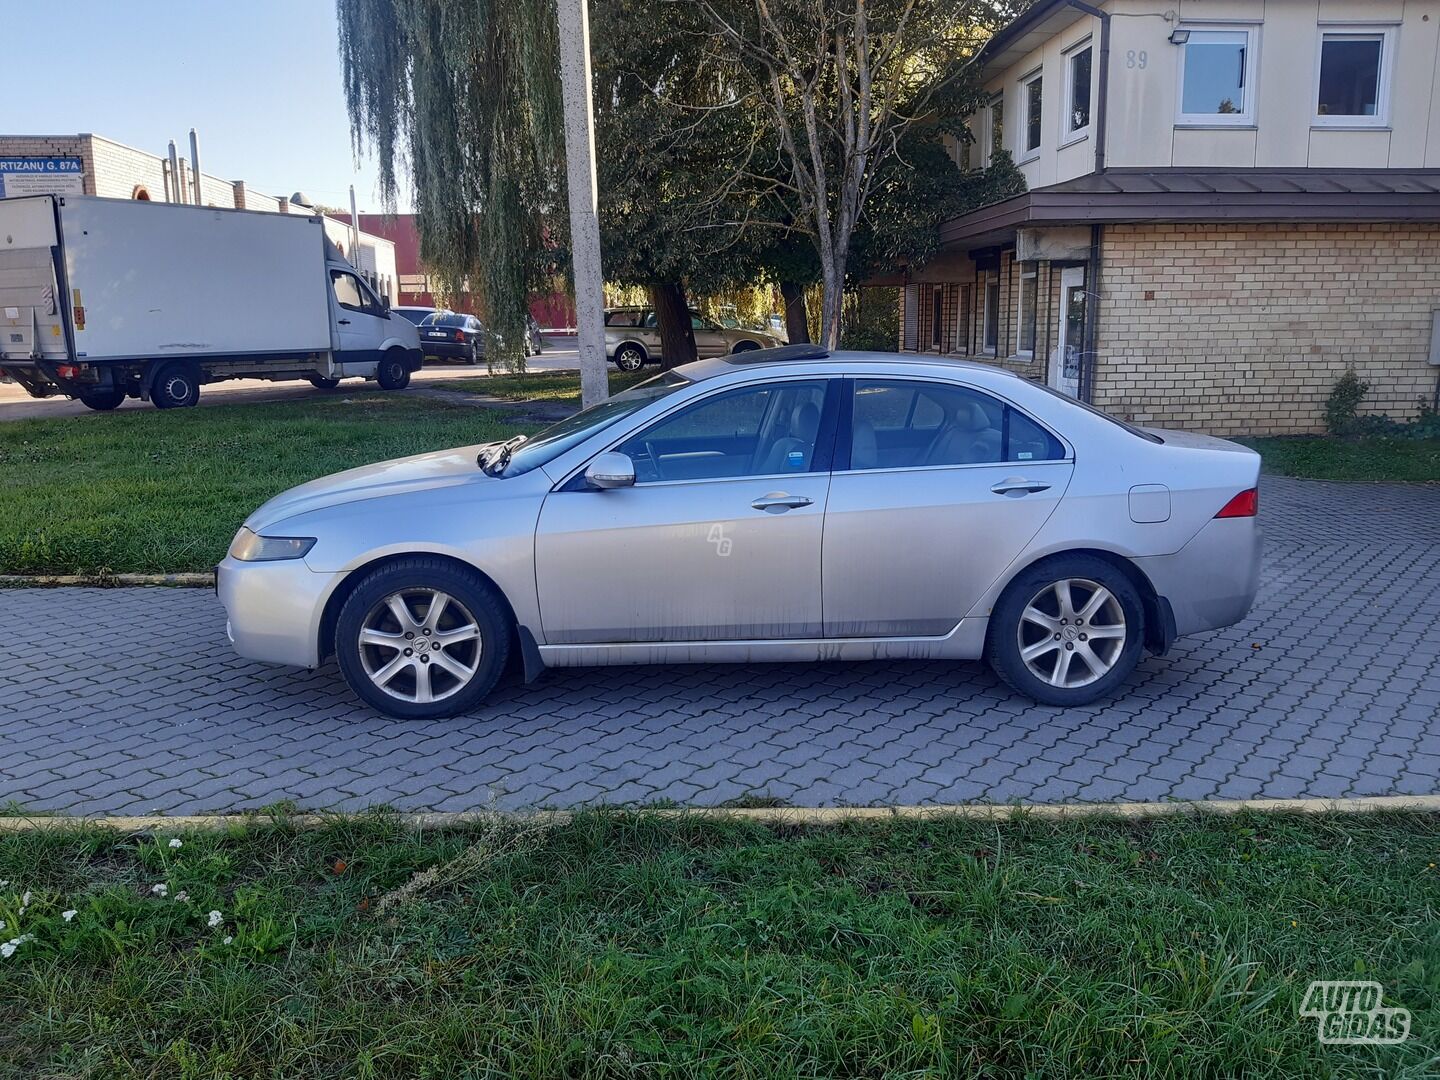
(1067, 631)
(323, 382)
(422, 638)
(629, 358)
(101, 399)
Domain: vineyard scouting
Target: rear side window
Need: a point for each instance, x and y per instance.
(898, 424)
(623, 318)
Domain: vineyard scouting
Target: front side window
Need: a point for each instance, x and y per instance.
(1034, 96)
(1077, 93)
(347, 290)
(1216, 77)
(1352, 79)
(1025, 324)
(897, 424)
(760, 430)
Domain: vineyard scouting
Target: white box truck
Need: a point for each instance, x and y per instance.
(104, 299)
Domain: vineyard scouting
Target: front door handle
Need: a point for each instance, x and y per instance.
(1018, 485)
(777, 502)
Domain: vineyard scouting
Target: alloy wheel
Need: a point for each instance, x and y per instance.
(420, 645)
(1074, 619)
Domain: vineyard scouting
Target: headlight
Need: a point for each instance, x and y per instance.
(251, 547)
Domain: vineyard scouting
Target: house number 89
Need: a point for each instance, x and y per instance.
(1135, 59)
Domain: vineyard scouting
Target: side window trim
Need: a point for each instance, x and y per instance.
(826, 437)
(847, 426)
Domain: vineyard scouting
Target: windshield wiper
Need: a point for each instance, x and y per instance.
(492, 460)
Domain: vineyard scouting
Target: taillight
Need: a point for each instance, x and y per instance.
(67, 371)
(459, 335)
(1243, 505)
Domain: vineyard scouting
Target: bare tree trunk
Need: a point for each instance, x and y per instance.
(797, 319)
(677, 333)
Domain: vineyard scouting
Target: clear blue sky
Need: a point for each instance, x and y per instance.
(259, 80)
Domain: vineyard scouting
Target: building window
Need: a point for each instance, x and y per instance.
(962, 321)
(997, 127)
(1077, 93)
(937, 316)
(1034, 93)
(990, 328)
(1353, 79)
(1025, 307)
(1217, 70)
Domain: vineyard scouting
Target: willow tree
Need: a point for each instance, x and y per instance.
(464, 96)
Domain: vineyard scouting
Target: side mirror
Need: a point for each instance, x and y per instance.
(610, 470)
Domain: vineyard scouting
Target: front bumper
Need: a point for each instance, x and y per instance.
(274, 609)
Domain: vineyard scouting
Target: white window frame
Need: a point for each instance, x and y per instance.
(988, 147)
(1067, 93)
(1031, 270)
(1386, 34)
(1246, 116)
(1024, 151)
(992, 281)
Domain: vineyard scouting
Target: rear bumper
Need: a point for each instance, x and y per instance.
(274, 609)
(1212, 581)
(450, 350)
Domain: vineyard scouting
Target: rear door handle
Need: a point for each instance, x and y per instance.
(1018, 485)
(777, 502)
(344, 322)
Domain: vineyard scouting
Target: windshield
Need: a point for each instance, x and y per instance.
(555, 440)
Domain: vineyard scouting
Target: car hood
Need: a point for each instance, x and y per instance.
(442, 468)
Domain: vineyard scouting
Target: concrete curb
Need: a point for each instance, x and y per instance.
(204, 580)
(790, 815)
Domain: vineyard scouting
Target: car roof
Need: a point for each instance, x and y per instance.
(784, 355)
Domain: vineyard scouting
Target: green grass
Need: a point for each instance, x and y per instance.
(144, 490)
(1365, 457)
(553, 386)
(627, 945)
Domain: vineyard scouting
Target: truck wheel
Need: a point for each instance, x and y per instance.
(322, 382)
(101, 399)
(392, 373)
(176, 386)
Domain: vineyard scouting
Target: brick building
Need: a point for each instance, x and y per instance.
(88, 164)
(1214, 231)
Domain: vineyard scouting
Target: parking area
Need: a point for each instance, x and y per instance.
(130, 700)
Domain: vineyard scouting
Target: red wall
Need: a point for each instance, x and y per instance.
(550, 311)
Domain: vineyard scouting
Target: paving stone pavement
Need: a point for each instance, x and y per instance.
(130, 701)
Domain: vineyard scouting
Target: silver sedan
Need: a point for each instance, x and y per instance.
(776, 505)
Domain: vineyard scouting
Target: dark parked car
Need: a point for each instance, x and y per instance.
(451, 336)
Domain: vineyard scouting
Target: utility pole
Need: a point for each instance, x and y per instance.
(574, 21)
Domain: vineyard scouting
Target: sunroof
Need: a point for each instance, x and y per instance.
(778, 354)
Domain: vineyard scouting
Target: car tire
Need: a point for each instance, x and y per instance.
(176, 386)
(398, 683)
(101, 399)
(472, 357)
(1042, 645)
(629, 358)
(323, 382)
(392, 373)
(744, 346)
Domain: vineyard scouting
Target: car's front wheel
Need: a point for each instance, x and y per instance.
(629, 358)
(1067, 631)
(422, 638)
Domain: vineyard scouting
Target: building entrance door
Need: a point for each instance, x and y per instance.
(1065, 359)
